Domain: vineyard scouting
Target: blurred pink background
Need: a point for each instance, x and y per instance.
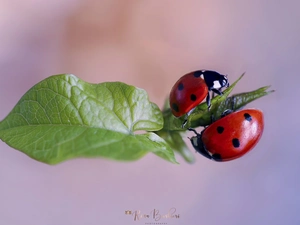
(150, 44)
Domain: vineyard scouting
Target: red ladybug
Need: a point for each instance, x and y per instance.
(190, 90)
(231, 136)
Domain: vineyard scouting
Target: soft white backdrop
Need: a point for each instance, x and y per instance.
(150, 44)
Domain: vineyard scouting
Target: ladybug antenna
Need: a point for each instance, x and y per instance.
(191, 129)
(184, 123)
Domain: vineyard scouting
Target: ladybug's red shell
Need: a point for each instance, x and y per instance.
(188, 92)
(233, 135)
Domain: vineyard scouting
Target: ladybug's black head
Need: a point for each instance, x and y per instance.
(214, 80)
(224, 81)
(198, 145)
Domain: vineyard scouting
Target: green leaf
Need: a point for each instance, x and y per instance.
(63, 117)
(238, 101)
(234, 102)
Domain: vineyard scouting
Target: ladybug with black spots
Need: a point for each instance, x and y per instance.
(231, 136)
(190, 90)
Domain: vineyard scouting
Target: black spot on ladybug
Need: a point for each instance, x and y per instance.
(193, 97)
(180, 87)
(197, 74)
(217, 157)
(175, 107)
(247, 117)
(235, 142)
(220, 129)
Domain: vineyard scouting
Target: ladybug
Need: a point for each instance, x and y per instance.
(190, 90)
(230, 137)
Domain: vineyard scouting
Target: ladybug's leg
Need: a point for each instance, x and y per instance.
(208, 101)
(212, 95)
(217, 91)
(184, 123)
(190, 112)
(186, 116)
(212, 118)
(226, 112)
